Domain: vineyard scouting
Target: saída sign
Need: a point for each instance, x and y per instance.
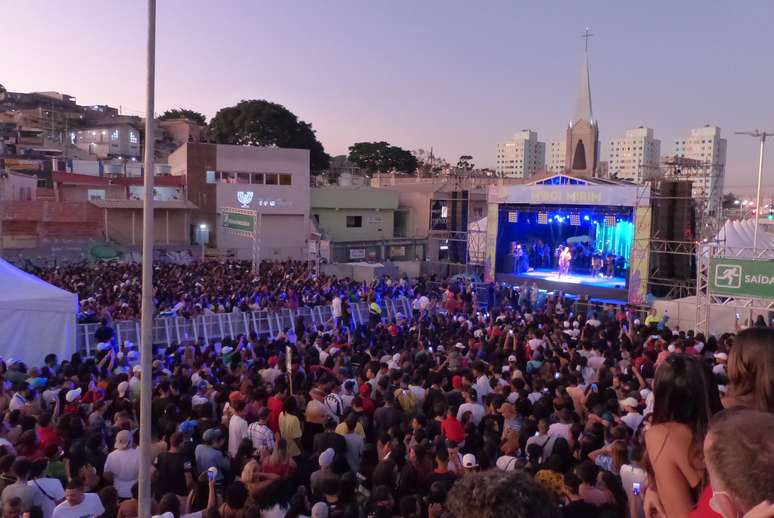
(741, 277)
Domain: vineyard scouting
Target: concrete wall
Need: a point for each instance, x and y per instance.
(124, 226)
(81, 192)
(375, 225)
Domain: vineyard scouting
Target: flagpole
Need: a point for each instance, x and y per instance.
(146, 322)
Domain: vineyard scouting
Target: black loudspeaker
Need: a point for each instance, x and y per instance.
(683, 228)
(662, 227)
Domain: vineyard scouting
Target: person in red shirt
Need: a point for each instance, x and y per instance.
(369, 407)
(275, 404)
(47, 434)
(451, 428)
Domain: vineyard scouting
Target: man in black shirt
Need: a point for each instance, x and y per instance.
(169, 466)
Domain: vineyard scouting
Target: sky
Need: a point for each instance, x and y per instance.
(454, 75)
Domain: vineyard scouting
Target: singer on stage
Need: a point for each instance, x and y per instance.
(564, 262)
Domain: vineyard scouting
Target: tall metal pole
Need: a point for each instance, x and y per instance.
(761, 135)
(146, 342)
(758, 196)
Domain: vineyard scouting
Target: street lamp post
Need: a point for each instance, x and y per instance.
(761, 135)
(203, 228)
(146, 321)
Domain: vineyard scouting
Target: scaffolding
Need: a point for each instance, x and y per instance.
(704, 199)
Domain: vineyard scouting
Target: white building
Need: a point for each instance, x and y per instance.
(520, 157)
(635, 156)
(120, 140)
(706, 145)
(556, 156)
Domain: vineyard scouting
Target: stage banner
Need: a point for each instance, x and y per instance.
(741, 277)
(615, 195)
(639, 260)
(491, 242)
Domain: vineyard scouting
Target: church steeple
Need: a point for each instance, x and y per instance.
(583, 107)
(582, 147)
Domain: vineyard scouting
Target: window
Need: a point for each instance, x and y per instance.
(354, 221)
(96, 194)
(243, 178)
(211, 177)
(114, 134)
(256, 179)
(134, 137)
(271, 179)
(285, 179)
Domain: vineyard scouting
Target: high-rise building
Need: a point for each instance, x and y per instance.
(556, 156)
(582, 148)
(634, 156)
(520, 157)
(706, 145)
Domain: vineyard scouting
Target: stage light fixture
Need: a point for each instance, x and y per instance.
(610, 220)
(586, 217)
(543, 218)
(513, 216)
(575, 220)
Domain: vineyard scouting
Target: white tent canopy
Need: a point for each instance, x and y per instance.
(36, 318)
(739, 234)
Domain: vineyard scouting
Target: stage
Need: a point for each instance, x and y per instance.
(580, 284)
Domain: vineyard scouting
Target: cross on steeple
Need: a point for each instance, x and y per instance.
(586, 37)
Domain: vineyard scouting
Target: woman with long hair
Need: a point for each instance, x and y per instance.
(685, 400)
(279, 462)
(751, 370)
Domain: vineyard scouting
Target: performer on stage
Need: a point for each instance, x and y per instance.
(596, 265)
(610, 265)
(564, 262)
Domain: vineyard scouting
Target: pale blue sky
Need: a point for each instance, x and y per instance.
(452, 74)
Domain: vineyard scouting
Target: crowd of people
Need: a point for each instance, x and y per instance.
(112, 291)
(525, 409)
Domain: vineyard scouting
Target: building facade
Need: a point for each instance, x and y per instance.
(273, 182)
(555, 159)
(582, 142)
(635, 156)
(520, 157)
(706, 145)
(121, 140)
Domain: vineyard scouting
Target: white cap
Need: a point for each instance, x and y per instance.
(326, 458)
(630, 401)
(721, 356)
(671, 348)
(512, 358)
(72, 395)
(459, 345)
(320, 510)
(637, 321)
(469, 461)
(122, 388)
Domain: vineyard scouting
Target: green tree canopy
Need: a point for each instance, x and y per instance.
(381, 157)
(184, 113)
(264, 123)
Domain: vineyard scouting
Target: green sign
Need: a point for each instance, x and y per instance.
(239, 222)
(744, 278)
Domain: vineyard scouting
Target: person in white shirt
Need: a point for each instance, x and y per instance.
(336, 310)
(51, 489)
(632, 419)
(482, 381)
(536, 341)
(634, 480)
(470, 405)
(78, 504)
(122, 466)
(237, 427)
(562, 428)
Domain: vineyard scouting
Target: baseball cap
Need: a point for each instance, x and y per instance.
(123, 439)
(469, 461)
(630, 401)
(235, 395)
(721, 356)
(326, 458)
(213, 434)
(512, 358)
(72, 395)
(122, 388)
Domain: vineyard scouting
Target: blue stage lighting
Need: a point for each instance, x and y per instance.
(586, 217)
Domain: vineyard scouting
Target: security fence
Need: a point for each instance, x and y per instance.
(216, 326)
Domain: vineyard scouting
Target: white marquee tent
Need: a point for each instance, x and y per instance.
(36, 318)
(739, 234)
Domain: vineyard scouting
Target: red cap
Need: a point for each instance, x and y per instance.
(272, 361)
(236, 396)
(457, 381)
(365, 389)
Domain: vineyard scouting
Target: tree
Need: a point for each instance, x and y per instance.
(465, 163)
(381, 157)
(184, 113)
(730, 201)
(264, 123)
